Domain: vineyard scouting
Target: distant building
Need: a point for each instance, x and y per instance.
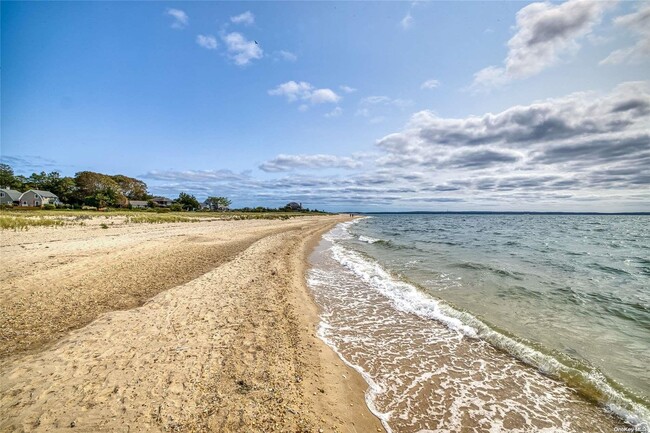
(10, 197)
(38, 198)
(162, 201)
(294, 206)
(139, 204)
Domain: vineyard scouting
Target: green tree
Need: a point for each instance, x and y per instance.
(133, 189)
(98, 189)
(8, 179)
(188, 201)
(62, 187)
(217, 203)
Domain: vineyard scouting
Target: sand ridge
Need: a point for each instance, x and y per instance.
(232, 350)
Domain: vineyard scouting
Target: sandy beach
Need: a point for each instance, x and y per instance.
(204, 326)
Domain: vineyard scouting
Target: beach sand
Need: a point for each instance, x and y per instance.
(204, 326)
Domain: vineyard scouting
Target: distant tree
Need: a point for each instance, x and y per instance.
(62, 187)
(216, 203)
(133, 189)
(187, 201)
(94, 187)
(7, 178)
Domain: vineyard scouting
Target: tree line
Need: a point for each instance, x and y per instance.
(97, 189)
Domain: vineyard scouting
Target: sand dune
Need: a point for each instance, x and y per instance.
(230, 349)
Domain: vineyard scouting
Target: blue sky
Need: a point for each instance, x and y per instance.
(338, 105)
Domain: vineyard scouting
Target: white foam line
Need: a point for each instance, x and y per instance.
(404, 297)
(374, 389)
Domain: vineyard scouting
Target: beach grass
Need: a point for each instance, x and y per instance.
(23, 219)
(8, 222)
(161, 218)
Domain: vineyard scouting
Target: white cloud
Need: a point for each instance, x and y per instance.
(545, 32)
(304, 91)
(430, 84)
(347, 89)
(241, 50)
(335, 112)
(639, 23)
(208, 42)
(287, 55)
(292, 90)
(291, 162)
(320, 96)
(580, 132)
(247, 18)
(181, 20)
(407, 21)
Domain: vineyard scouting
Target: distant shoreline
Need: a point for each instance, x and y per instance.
(499, 213)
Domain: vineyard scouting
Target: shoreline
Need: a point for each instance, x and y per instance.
(235, 348)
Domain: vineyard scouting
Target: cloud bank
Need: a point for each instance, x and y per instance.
(574, 152)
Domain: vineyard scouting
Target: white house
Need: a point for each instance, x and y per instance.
(37, 198)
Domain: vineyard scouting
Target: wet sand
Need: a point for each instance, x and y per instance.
(174, 327)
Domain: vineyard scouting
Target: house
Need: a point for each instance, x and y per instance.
(139, 204)
(38, 198)
(294, 206)
(162, 201)
(10, 197)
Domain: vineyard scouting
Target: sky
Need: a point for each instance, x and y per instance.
(342, 106)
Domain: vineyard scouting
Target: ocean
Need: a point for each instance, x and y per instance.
(469, 322)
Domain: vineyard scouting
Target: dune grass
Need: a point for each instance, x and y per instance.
(17, 219)
(24, 223)
(161, 218)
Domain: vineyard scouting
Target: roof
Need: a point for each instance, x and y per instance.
(138, 202)
(44, 194)
(15, 195)
(161, 199)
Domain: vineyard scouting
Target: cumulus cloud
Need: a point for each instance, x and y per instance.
(319, 161)
(304, 91)
(180, 18)
(544, 32)
(208, 42)
(582, 132)
(247, 18)
(347, 89)
(639, 23)
(430, 84)
(241, 50)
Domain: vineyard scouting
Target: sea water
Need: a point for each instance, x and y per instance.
(492, 322)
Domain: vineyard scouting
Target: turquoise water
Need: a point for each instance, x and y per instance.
(569, 295)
